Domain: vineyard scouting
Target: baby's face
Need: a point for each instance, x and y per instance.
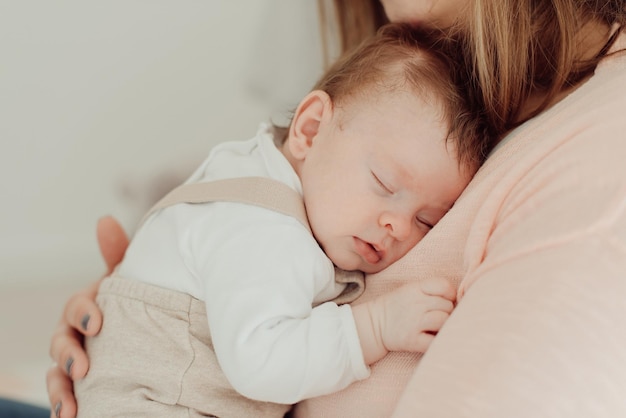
(377, 178)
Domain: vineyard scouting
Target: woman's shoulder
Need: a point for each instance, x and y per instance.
(594, 109)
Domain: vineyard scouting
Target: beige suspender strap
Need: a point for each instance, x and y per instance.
(264, 192)
(260, 191)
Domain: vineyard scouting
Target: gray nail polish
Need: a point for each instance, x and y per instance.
(57, 410)
(68, 365)
(85, 321)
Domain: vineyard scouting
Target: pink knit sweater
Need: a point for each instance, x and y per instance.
(537, 247)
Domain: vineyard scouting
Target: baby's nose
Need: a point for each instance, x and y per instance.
(398, 226)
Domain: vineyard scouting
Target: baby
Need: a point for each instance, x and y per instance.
(223, 305)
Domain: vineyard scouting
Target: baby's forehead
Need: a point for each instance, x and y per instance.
(373, 98)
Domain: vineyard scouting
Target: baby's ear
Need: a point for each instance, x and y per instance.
(305, 125)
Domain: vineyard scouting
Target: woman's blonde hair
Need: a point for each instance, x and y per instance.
(345, 24)
(509, 49)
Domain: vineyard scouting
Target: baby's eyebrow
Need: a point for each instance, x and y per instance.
(399, 171)
(396, 173)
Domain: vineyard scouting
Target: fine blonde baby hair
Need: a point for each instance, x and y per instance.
(400, 56)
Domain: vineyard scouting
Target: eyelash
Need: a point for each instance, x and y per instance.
(425, 223)
(381, 184)
(388, 190)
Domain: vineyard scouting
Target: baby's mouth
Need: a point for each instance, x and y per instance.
(367, 251)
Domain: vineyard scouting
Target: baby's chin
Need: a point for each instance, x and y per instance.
(372, 269)
(351, 265)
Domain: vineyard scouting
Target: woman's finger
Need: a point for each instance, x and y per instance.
(67, 351)
(81, 316)
(112, 241)
(82, 312)
(60, 393)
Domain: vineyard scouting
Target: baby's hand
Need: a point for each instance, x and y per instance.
(410, 316)
(405, 319)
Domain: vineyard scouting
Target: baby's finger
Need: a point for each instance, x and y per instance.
(436, 286)
(423, 341)
(433, 321)
(437, 303)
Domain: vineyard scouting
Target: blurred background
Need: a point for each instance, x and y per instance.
(104, 107)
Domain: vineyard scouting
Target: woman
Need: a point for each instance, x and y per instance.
(536, 244)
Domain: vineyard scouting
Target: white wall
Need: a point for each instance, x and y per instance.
(104, 104)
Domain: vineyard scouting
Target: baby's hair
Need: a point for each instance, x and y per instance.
(402, 57)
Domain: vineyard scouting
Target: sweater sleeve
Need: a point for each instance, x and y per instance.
(260, 283)
(539, 331)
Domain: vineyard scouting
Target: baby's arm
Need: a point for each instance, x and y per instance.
(272, 345)
(404, 319)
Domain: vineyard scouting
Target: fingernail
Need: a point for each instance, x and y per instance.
(57, 410)
(85, 321)
(68, 365)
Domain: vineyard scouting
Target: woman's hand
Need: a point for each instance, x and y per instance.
(81, 317)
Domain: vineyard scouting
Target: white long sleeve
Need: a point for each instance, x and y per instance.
(259, 273)
(271, 344)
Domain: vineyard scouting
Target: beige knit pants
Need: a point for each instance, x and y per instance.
(154, 358)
